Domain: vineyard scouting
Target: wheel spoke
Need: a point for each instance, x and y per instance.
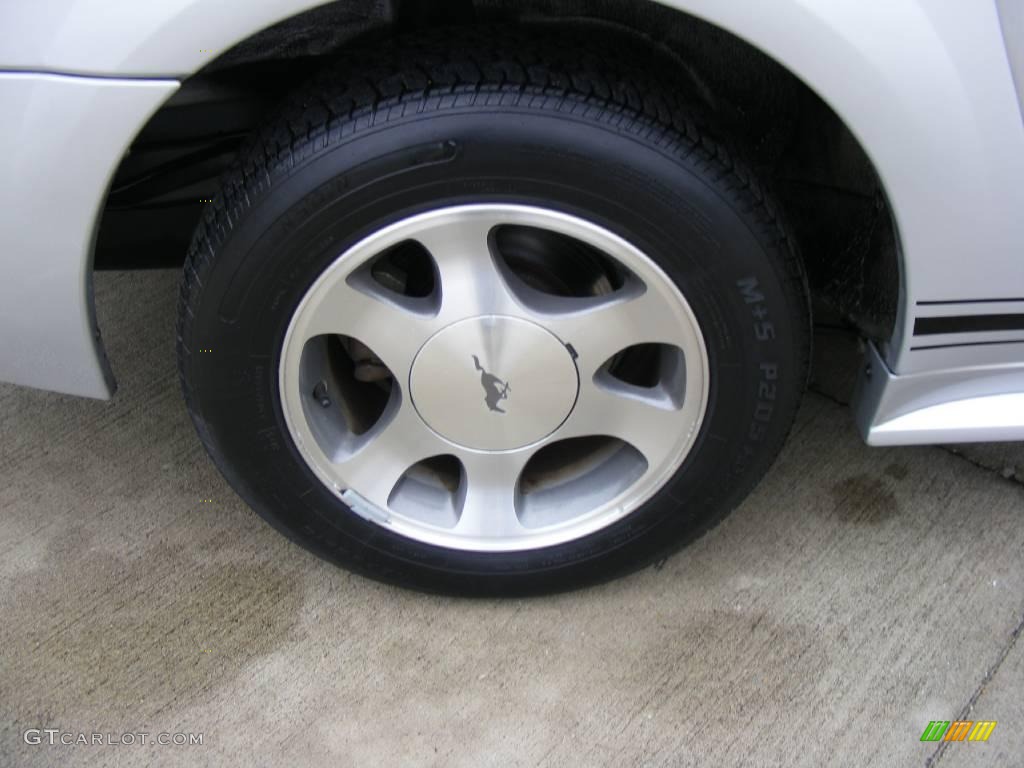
(385, 453)
(608, 326)
(392, 330)
(649, 424)
(471, 283)
(487, 508)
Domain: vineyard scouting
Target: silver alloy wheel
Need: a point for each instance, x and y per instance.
(500, 378)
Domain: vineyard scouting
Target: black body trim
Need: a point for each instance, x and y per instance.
(967, 301)
(930, 326)
(967, 344)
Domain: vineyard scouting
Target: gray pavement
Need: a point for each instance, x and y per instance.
(858, 594)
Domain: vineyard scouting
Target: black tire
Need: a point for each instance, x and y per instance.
(490, 116)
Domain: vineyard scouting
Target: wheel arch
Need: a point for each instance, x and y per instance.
(831, 51)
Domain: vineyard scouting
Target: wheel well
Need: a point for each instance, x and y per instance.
(820, 175)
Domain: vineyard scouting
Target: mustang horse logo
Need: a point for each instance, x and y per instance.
(495, 390)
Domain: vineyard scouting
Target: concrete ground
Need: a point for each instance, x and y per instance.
(858, 594)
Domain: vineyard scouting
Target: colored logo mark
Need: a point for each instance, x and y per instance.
(958, 730)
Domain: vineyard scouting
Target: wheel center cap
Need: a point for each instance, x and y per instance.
(494, 383)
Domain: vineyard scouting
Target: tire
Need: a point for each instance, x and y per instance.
(503, 122)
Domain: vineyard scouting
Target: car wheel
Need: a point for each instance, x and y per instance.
(489, 313)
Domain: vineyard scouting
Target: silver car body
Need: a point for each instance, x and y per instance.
(931, 89)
